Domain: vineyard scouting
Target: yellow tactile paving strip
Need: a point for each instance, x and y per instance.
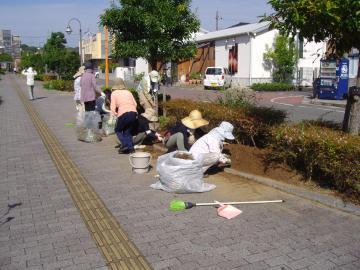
(118, 251)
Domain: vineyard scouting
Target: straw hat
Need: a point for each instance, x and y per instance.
(80, 72)
(150, 115)
(194, 120)
(226, 129)
(119, 84)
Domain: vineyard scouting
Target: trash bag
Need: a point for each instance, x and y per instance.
(87, 126)
(108, 127)
(180, 175)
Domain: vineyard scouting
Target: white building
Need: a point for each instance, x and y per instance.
(244, 47)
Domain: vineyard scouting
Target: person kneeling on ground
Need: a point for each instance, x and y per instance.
(102, 105)
(209, 147)
(182, 135)
(123, 105)
(145, 131)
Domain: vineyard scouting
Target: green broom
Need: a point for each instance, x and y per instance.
(178, 205)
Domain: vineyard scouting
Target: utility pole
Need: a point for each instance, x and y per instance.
(217, 18)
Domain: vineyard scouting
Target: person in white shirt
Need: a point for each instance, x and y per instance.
(209, 147)
(154, 80)
(77, 89)
(30, 74)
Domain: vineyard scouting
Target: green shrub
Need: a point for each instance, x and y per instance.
(39, 77)
(61, 85)
(329, 157)
(138, 77)
(272, 87)
(49, 77)
(247, 129)
(2, 71)
(195, 76)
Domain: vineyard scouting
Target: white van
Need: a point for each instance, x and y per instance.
(216, 77)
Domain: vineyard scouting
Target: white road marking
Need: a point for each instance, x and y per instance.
(323, 108)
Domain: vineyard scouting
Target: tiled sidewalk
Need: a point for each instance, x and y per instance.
(295, 235)
(46, 231)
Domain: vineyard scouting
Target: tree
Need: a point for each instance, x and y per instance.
(334, 21)
(5, 57)
(34, 60)
(59, 59)
(281, 59)
(157, 30)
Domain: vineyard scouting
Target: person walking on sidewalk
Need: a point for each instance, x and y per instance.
(77, 89)
(89, 88)
(30, 78)
(123, 105)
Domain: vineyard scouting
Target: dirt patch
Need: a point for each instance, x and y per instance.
(251, 160)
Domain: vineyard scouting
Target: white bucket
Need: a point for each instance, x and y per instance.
(140, 162)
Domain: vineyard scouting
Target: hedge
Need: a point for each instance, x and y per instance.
(61, 85)
(324, 155)
(272, 87)
(248, 130)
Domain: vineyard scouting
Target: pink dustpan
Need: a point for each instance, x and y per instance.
(228, 211)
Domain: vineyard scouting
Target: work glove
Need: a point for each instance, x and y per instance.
(224, 159)
(102, 94)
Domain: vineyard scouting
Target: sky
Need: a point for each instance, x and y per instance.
(34, 20)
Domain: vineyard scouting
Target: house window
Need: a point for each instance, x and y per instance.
(301, 49)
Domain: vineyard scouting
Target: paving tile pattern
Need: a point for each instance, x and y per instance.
(46, 231)
(298, 234)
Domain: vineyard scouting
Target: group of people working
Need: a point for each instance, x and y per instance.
(133, 129)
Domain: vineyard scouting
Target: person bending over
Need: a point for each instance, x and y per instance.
(123, 105)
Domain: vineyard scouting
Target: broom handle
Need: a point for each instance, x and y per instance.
(251, 202)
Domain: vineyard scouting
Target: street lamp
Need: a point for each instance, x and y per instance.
(69, 31)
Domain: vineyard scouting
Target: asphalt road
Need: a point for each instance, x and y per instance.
(296, 103)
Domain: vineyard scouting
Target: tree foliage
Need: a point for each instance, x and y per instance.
(34, 60)
(281, 59)
(59, 59)
(157, 30)
(5, 57)
(337, 21)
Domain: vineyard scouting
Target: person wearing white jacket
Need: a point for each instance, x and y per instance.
(30, 77)
(209, 147)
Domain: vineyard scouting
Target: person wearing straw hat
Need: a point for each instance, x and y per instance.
(77, 89)
(123, 106)
(182, 135)
(209, 147)
(145, 131)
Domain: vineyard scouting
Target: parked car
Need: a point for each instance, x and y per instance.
(217, 77)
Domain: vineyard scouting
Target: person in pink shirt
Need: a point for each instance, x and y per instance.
(123, 106)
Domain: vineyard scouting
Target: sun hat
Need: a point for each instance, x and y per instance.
(194, 120)
(150, 115)
(88, 65)
(226, 129)
(80, 72)
(119, 84)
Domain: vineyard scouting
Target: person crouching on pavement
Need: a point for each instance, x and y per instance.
(102, 105)
(209, 147)
(145, 131)
(123, 105)
(182, 135)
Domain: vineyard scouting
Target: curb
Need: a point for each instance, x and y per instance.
(306, 194)
(326, 200)
(316, 101)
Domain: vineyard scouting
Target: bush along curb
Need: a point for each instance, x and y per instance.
(306, 194)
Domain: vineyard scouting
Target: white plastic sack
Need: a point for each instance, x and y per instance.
(87, 126)
(108, 127)
(180, 175)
